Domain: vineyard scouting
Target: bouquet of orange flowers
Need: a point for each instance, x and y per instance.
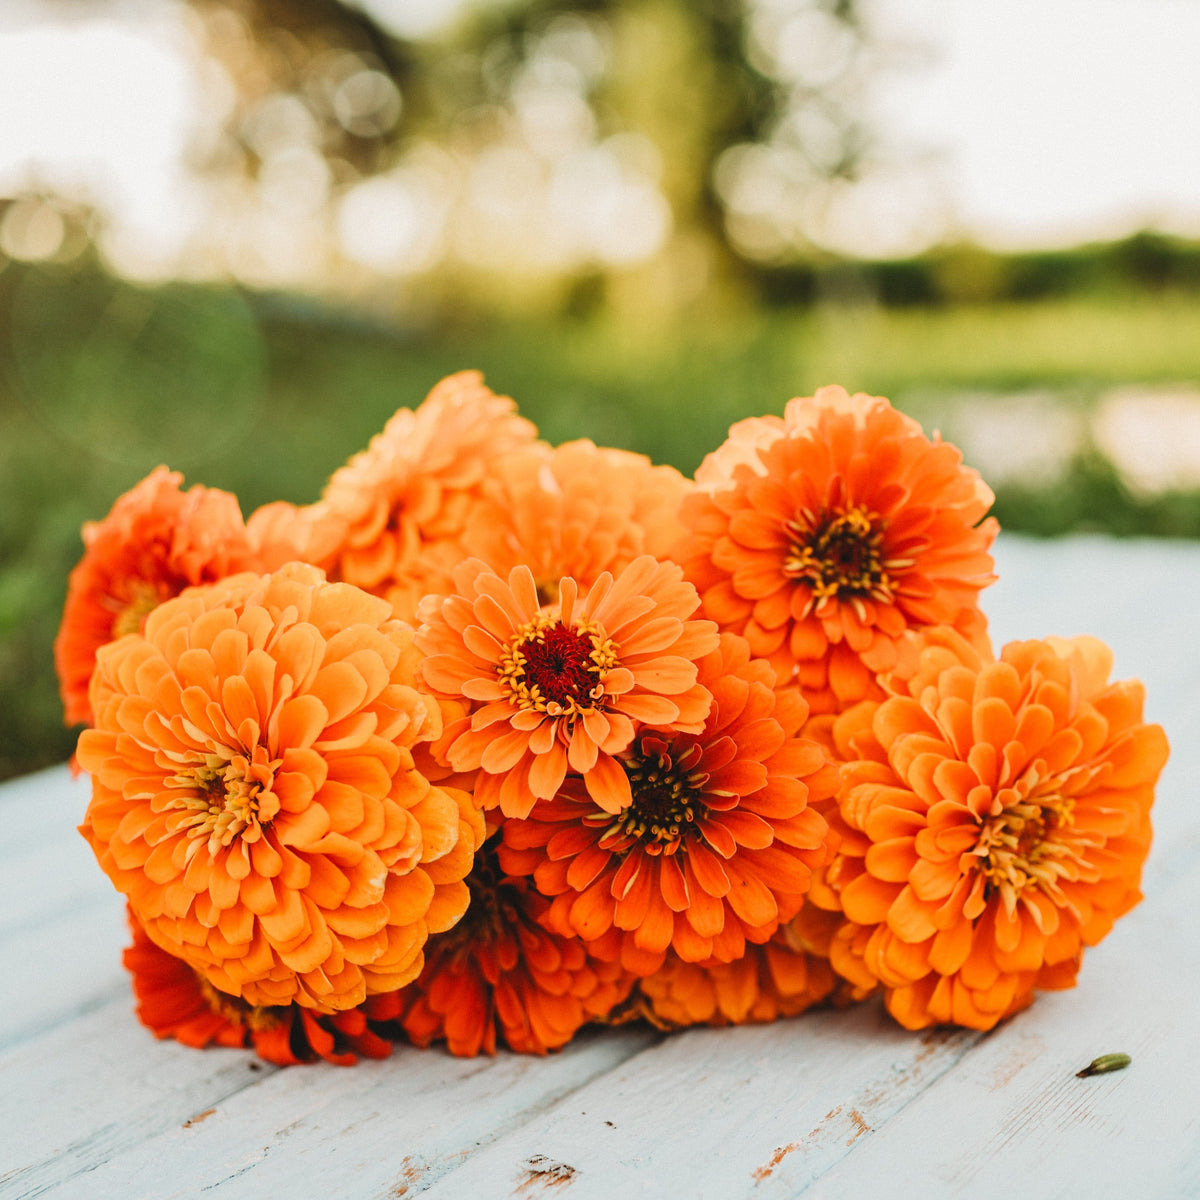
(498, 739)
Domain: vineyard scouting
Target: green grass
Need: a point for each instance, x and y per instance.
(100, 382)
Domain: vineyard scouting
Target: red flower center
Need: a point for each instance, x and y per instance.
(560, 665)
(555, 668)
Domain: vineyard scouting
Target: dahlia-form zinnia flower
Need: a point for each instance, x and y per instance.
(254, 793)
(156, 541)
(400, 505)
(997, 817)
(577, 510)
(281, 533)
(173, 1001)
(499, 972)
(717, 844)
(851, 528)
(560, 687)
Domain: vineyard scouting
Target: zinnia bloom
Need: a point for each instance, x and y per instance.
(1000, 820)
(782, 978)
(971, 624)
(401, 504)
(560, 688)
(577, 510)
(717, 844)
(852, 528)
(746, 438)
(173, 1001)
(156, 541)
(499, 972)
(281, 533)
(254, 793)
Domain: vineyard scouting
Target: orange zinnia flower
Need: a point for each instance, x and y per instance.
(175, 1002)
(746, 438)
(156, 541)
(401, 504)
(254, 793)
(782, 978)
(1000, 813)
(971, 623)
(717, 845)
(852, 528)
(498, 970)
(281, 533)
(561, 687)
(578, 510)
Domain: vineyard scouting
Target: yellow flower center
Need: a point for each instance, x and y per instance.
(236, 1011)
(1028, 844)
(667, 803)
(555, 668)
(225, 799)
(142, 600)
(840, 554)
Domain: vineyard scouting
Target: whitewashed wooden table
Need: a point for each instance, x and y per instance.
(833, 1104)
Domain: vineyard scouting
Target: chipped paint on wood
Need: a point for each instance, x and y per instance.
(411, 1173)
(860, 1126)
(541, 1174)
(781, 1152)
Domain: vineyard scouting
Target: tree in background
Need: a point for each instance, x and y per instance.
(551, 153)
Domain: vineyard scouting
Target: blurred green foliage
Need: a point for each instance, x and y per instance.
(965, 273)
(265, 396)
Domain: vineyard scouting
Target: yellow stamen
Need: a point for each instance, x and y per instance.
(840, 554)
(667, 804)
(143, 600)
(224, 799)
(556, 669)
(1029, 842)
(236, 1011)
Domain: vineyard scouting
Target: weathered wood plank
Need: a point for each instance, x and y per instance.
(99, 1085)
(710, 1113)
(777, 1110)
(1013, 1110)
(45, 880)
(60, 918)
(46, 804)
(382, 1128)
(1121, 591)
(67, 965)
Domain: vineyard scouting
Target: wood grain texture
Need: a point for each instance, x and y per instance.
(713, 1113)
(1015, 1110)
(92, 1088)
(60, 919)
(831, 1105)
(386, 1128)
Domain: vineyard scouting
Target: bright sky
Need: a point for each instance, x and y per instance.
(1056, 120)
(102, 110)
(1045, 121)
